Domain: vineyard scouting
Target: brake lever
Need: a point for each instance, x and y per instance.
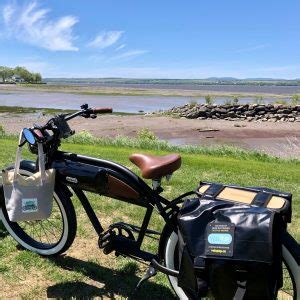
(37, 126)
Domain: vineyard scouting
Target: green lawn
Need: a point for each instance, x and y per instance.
(85, 270)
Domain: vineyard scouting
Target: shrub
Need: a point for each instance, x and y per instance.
(193, 103)
(296, 99)
(259, 100)
(2, 130)
(146, 134)
(228, 102)
(281, 101)
(208, 100)
(235, 100)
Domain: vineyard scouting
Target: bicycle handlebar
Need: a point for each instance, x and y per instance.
(89, 111)
(59, 122)
(100, 110)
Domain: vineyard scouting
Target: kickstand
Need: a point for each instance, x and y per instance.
(150, 273)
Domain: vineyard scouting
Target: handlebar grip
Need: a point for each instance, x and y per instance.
(38, 134)
(105, 110)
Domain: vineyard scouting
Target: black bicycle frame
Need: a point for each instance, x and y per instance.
(83, 173)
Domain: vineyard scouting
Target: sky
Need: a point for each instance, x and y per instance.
(152, 39)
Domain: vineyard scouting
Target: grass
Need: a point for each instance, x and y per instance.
(30, 110)
(84, 271)
(47, 111)
(281, 101)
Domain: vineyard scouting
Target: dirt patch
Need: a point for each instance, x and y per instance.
(282, 139)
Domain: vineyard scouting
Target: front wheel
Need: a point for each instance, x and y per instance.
(47, 237)
(291, 270)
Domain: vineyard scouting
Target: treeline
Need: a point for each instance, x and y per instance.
(7, 75)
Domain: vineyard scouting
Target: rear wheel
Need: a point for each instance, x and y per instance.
(47, 237)
(291, 270)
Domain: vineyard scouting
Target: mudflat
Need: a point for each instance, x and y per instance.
(279, 139)
(156, 89)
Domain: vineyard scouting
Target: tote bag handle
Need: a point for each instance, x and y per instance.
(40, 155)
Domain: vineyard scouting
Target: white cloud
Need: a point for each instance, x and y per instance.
(7, 13)
(130, 54)
(120, 47)
(105, 39)
(31, 24)
(252, 48)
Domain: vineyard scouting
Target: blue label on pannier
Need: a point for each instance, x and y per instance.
(220, 238)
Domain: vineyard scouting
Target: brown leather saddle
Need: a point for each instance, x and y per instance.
(155, 167)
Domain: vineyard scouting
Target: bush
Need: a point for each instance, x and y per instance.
(281, 101)
(146, 134)
(2, 130)
(193, 103)
(228, 102)
(208, 100)
(296, 99)
(259, 100)
(235, 100)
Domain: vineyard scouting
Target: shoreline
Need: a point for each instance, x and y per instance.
(134, 91)
(276, 139)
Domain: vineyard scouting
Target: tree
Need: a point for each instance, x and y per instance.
(27, 76)
(5, 73)
(24, 73)
(37, 77)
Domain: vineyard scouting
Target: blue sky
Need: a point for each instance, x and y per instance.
(152, 39)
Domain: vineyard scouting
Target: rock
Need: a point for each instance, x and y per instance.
(231, 114)
(260, 108)
(284, 111)
(252, 112)
(261, 112)
(221, 110)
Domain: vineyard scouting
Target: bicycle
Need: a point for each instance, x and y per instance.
(77, 174)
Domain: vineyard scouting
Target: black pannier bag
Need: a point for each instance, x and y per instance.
(230, 242)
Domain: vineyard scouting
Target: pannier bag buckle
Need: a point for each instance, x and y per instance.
(241, 290)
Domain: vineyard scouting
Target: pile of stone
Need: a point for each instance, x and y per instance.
(235, 112)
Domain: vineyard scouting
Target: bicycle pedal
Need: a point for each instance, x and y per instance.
(150, 273)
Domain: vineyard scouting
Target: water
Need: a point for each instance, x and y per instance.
(128, 104)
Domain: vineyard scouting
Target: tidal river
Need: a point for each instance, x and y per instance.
(127, 104)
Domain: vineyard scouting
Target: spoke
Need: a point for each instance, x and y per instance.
(32, 231)
(45, 233)
(52, 228)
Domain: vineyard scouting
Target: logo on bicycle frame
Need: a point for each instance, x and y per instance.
(72, 179)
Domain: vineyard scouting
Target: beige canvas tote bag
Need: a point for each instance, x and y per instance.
(28, 198)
